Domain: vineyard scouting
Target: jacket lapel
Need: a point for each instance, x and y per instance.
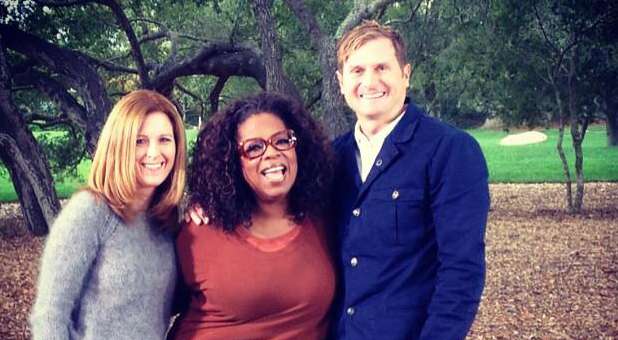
(390, 152)
(347, 176)
(350, 163)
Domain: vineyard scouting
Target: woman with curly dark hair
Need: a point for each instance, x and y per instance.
(261, 269)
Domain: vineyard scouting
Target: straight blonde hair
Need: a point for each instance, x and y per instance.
(113, 172)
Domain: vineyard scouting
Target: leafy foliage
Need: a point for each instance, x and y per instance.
(65, 149)
(471, 59)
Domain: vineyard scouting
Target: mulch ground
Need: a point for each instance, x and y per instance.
(550, 275)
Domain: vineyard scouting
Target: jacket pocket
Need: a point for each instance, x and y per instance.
(411, 216)
(397, 214)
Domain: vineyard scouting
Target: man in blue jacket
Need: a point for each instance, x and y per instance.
(412, 203)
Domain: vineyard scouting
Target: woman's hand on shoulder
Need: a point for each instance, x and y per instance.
(196, 214)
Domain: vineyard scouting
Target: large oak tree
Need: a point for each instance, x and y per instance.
(78, 56)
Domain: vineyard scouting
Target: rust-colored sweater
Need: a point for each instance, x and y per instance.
(243, 287)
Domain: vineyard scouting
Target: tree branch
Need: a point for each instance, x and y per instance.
(315, 94)
(217, 59)
(192, 95)
(136, 50)
(114, 67)
(165, 31)
(151, 21)
(153, 36)
(238, 18)
(545, 35)
(45, 121)
(215, 93)
(360, 12)
(68, 105)
(409, 19)
(75, 68)
(308, 20)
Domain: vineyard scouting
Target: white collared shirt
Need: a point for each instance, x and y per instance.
(369, 148)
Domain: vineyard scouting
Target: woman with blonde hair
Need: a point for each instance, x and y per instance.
(108, 270)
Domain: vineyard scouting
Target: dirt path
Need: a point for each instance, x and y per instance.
(550, 275)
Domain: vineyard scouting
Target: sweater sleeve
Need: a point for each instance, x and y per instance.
(70, 250)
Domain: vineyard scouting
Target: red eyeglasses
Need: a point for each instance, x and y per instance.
(256, 147)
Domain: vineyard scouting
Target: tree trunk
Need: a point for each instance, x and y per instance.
(611, 107)
(77, 72)
(215, 93)
(578, 132)
(34, 184)
(560, 149)
(578, 203)
(337, 116)
(579, 124)
(276, 79)
(26, 162)
(565, 166)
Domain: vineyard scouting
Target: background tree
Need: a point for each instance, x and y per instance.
(528, 62)
(77, 72)
(31, 176)
(67, 61)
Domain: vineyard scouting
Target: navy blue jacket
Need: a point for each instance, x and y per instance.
(411, 238)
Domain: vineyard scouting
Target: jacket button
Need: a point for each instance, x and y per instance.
(395, 195)
(350, 311)
(354, 261)
(356, 212)
(379, 162)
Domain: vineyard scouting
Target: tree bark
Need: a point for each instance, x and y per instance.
(578, 132)
(25, 160)
(362, 10)
(338, 118)
(136, 51)
(215, 93)
(276, 79)
(564, 57)
(67, 104)
(217, 59)
(77, 72)
(560, 149)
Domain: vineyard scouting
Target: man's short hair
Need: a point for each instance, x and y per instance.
(365, 32)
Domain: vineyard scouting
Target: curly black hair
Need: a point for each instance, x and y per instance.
(216, 181)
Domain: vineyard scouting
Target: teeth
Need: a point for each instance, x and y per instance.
(274, 174)
(273, 170)
(372, 95)
(153, 166)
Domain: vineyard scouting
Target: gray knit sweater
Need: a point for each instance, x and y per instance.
(101, 278)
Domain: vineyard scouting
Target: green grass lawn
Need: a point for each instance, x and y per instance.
(514, 164)
(540, 162)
